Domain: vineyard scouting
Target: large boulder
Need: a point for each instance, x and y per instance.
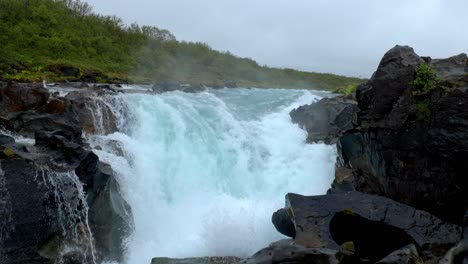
(408, 145)
(376, 225)
(326, 119)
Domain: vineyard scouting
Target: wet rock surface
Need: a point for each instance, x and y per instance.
(333, 219)
(49, 178)
(411, 146)
(399, 193)
(286, 251)
(191, 88)
(326, 119)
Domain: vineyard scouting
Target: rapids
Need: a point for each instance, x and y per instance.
(203, 172)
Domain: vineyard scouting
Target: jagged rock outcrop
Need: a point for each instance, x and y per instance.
(40, 205)
(326, 119)
(49, 180)
(376, 225)
(410, 145)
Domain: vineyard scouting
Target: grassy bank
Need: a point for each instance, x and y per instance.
(61, 40)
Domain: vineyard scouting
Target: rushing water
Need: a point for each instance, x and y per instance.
(204, 172)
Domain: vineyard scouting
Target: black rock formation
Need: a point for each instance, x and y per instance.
(54, 191)
(326, 119)
(410, 146)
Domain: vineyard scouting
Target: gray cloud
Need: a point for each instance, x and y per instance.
(337, 36)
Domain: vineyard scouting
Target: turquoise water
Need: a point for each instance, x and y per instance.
(204, 172)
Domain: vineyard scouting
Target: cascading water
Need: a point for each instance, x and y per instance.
(204, 172)
(73, 211)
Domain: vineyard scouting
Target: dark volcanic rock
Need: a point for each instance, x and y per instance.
(410, 146)
(56, 106)
(326, 119)
(91, 111)
(110, 215)
(170, 87)
(230, 84)
(286, 251)
(27, 123)
(406, 255)
(46, 188)
(376, 225)
(60, 148)
(384, 100)
(50, 209)
(451, 68)
(16, 97)
(281, 219)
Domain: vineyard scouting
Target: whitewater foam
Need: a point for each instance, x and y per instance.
(204, 172)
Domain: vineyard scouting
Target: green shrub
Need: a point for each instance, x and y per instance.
(425, 79)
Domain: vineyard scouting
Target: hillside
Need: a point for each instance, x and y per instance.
(60, 40)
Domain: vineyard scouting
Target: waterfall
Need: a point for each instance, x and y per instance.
(203, 172)
(72, 211)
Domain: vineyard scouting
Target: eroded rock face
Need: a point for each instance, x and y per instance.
(451, 68)
(110, 215)
(326, 119)
(47, 182)
(17, 97)
(39, 205)
(376, 225)
(384, 101)
(409, 146)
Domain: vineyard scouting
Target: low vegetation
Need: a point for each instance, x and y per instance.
(62, 40)
(426, 78)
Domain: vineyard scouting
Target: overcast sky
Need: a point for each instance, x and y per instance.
(337, 36)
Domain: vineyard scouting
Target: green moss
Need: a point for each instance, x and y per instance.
(347, 90)
(8, 152)
(349, 212)
(423, 112)
(349, 246)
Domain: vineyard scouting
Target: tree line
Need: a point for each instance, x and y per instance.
(61, 40)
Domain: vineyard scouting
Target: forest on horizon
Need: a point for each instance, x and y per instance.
(64, 40)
